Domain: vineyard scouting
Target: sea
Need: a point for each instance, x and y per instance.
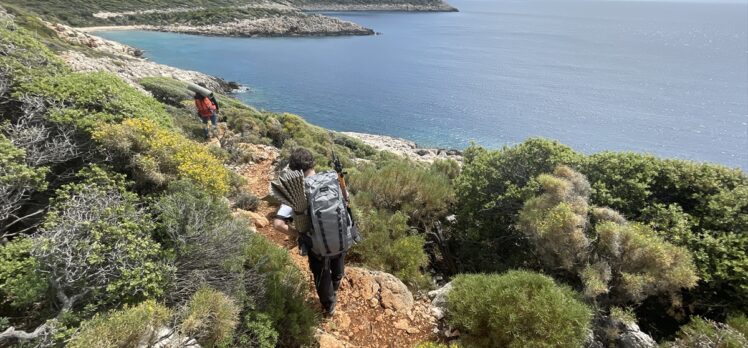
(663, 77)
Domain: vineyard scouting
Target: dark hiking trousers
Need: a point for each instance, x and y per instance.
(327, 281)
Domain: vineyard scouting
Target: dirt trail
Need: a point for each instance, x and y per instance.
(356, 323)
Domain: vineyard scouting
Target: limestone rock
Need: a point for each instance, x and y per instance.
(394, 294)
(402, 324)
(258, 220)
(380, 288)
(632, 337)
(329, 341)
(439, 301)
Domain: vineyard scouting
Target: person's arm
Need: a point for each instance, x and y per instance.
(280, 225)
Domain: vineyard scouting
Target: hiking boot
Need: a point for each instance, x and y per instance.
(330, 310)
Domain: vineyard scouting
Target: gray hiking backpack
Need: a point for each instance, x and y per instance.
(332, 229)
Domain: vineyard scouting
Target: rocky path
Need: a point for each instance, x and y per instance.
(374, 308)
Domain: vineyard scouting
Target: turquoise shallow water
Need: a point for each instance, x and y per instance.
(668, 78)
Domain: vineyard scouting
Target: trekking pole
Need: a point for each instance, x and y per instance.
(341, 178)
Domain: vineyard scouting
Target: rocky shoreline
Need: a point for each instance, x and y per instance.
(406, 148)
(125, 61)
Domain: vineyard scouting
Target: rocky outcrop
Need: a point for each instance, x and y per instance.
(406, 148)
(291, 25)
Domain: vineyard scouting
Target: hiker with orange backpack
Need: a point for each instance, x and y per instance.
(207, 109)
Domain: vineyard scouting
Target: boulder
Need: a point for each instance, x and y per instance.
(439, 301)
(258, 220)
(393, 293)
(380, 288)
(632, 337)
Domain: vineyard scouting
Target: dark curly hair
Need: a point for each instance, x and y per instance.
(301, 159)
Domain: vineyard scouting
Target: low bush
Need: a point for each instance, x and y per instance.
(389, 246)
(95, 245)
(449, 167)
(167, 90)
(20, 283)
(17, 182)
(284, 301)
(205, 243)
(700, 206)
(626, 261)
(739, 322)
(422, 194)
(123, 328)
(257, 331)
(517, 309)
(24, 58)
(210, 317)
(157, 155)
(90, 99)
(247, 201)
(706, 333)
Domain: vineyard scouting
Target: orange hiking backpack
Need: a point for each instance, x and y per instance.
(205, 107)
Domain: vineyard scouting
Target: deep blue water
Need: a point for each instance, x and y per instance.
(669, 78)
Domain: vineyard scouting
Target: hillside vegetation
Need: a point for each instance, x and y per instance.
(83, 13)
(116, 226)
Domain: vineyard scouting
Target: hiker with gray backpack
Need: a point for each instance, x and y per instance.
(317, 206)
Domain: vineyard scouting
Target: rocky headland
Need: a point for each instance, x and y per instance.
(297, 25)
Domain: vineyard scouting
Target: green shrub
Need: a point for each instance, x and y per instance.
(257, 331)
(284, 301)
(516, 309)
(20, 283)
(210, 317)
(96, 230)
(556, 221)
(388, 246)
(627, 261)
(449, 167)
(122, 328)
(247, 201)
(706, 333)
(24, 58)
(157, 155)
(290, 131)
(739, 322)
(491, 190)
(167, 90)
(90, 99)
(703, 207)
(205, 243)
(423, 195)
(17, 181)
